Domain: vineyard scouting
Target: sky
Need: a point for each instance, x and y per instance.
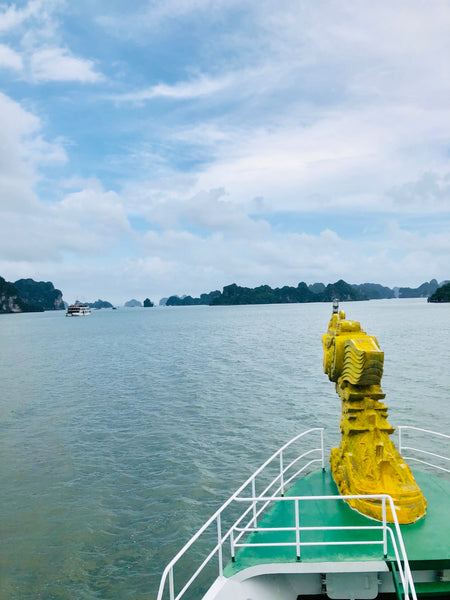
(161, 147)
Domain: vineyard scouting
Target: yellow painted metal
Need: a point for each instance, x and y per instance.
(367, 461)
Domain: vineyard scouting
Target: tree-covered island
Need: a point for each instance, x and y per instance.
(442, 294)
(318, 292)
(26, 295)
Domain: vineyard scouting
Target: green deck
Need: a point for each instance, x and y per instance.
(426, 541)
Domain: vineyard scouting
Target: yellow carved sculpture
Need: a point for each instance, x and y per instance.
(367, 461)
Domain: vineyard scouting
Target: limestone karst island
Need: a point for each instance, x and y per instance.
(27, 295)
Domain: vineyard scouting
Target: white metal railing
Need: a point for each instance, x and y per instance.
(424, 453)
(394, 534)
(247, 522)
(281, 480)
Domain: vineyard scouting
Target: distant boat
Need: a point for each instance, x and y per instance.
(78, 310)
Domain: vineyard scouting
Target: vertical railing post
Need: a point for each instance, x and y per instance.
(383, 504)
(400, 439)
(254, 502)
(281, 474)
(408, 578)
(297, 528)
(171, 585)
(219, 541)
(232, 544)
(323, 451)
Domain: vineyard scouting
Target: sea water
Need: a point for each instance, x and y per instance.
(122, 432)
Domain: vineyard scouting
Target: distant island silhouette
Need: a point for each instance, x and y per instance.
(26, 295)
(442, 294)
(318, 292)
(133, 303)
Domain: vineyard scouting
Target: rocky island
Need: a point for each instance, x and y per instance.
(318, 292)
(99, 304)
(133, 303)
(27, 295)
(442, 294)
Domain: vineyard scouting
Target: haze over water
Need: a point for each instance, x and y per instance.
(122, 432)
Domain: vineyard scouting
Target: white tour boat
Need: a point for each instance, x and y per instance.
(78, 310)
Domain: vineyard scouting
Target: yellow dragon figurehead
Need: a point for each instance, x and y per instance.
(367, 461)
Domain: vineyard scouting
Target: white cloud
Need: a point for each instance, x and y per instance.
(372, 101)
(86, 223)
(346, 159)
(19, 131)
(57, 64)
(35, 33)
(157, 14)
(10, 59)
(12, 17)
(211, 212)
(185, 90)
(430, 194)
(93, 208)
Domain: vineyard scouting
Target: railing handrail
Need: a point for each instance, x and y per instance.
(402, 447)
(217, 514)
(423, 430)
(399, 549)
(325, 497)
